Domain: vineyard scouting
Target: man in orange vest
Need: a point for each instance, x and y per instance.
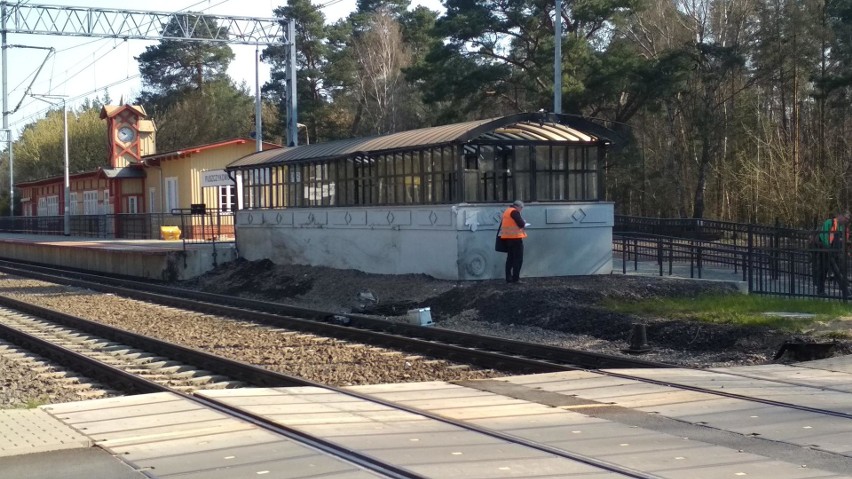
(513, 233)
(831, 243)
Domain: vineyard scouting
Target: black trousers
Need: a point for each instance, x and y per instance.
(829, 260)
(514, 259)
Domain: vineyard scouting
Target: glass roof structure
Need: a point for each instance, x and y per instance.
(528, 156)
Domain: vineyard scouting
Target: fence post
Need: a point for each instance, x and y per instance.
(635, 254)
(843, 281)
(691, 258)
(791, 271)
(750, 263)
(775, 248)
(660, 254)
(698, 259)
(623, 254)
(671, 255)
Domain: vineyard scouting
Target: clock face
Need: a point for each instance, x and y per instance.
(126, 134)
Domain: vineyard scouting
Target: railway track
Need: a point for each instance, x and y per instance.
(482, 351)
(170, 353)
(140, 364)
(489, 352)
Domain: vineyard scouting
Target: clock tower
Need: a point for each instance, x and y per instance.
(130, 134)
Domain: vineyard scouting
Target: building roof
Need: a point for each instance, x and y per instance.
(171, 155)
(109, 111)
(185, 152)
(121, 173)
(520, 127)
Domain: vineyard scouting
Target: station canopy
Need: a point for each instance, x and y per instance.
(519, 128)
(528, 156)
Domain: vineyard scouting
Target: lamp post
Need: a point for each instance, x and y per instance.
(67, 202)
(300, 126)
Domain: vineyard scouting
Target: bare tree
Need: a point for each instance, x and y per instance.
(381, 55)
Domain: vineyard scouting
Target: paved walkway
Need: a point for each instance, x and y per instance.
(679, 270)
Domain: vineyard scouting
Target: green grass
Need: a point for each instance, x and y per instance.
(747, 310)
(33, 403)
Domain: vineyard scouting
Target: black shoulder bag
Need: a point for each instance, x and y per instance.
(500, 244)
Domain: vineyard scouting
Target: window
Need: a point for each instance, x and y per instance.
(90, 202)
(152, 200)
(582, 174)
(226, 198)
(171, 194)
(256, 187)
(105, 205)
(73, 205)
(133, 204)
(53, 205)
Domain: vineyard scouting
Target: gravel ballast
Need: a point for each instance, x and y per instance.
(562, 312)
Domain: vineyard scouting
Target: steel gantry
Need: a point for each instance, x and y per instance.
(27, 18)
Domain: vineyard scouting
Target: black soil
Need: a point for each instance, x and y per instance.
(566, 304)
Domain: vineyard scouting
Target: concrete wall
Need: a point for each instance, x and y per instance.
(140, 259)
(443, 241)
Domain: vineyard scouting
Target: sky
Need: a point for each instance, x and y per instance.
(82, 67)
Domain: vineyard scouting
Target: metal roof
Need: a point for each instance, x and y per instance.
(125, 172)
(520, 127)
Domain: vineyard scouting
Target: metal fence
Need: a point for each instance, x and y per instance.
(194, 227)
(771, 259)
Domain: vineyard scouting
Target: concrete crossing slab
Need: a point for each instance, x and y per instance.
(28, 431)
(667, 455)
(461, 453)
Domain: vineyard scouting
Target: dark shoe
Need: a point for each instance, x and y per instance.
(516, 281)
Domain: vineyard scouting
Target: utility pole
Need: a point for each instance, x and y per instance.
(258, 136)
(5, 87)
(66, 203)
(142, 25)
(557, 58)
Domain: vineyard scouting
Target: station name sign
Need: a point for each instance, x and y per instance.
(215, 178)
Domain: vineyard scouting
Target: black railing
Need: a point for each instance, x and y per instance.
(771, 260)
(195, 227)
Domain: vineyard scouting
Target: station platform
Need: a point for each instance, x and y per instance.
(145, 259)
(651, 429)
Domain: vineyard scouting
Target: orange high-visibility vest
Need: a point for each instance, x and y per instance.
(834, 230)
(508, 228)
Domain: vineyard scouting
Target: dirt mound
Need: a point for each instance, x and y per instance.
(565, 304)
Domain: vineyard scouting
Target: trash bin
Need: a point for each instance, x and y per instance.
(169, 233)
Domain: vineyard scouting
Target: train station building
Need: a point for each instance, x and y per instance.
(138, 188)
(429, 201)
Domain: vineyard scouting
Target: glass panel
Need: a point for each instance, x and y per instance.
(543, 186)
(522, 158)
(542, 158)
(592, 186)
(448, 156)
(591, 158)
(472, 185)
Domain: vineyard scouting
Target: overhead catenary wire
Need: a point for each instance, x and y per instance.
(86, 67)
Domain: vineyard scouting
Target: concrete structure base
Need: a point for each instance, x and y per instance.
(454, 242)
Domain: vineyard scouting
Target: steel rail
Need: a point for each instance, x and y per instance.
(483, 351)
(136, 383)
(196, 357)
(317, 325)
(605, 370)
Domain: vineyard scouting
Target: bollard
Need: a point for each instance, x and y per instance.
(638, 340)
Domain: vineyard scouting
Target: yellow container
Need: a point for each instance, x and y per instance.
(169, 233)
